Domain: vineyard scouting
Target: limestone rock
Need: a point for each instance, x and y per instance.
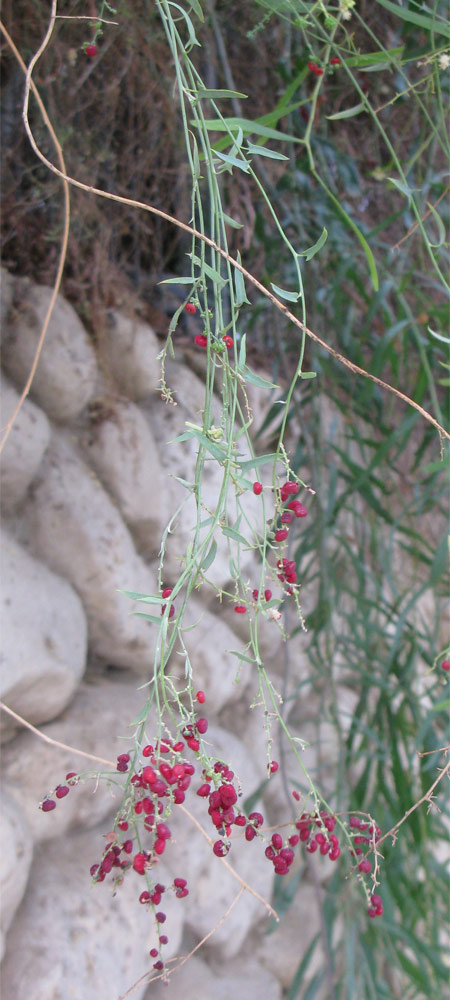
(244, 979)
(282, 951)
(44, 637)
(74, 525)
(99, 722)
(15, 859)
(122, 450)
(72, 939)
(25, 446)
(67, 368)
(129, 351)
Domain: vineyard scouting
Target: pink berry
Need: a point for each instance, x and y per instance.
(200, 696)
(257, 488)
(240, 609)
(273, 767)
(161, 918)
(296, 796)
(91, 51)
(163, 939)
(154, 952)
(48, 805)
(365, 866)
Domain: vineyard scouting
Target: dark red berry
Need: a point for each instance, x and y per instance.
(167, 592)
(335, 61)
(48, 805)
(201, 698)
(202, 725)
(161, 918)
(61, 791)
(365, 866)
(220, 849)
(281, 534)
(154, 952)
(445, 665)
(267, 595)
(163, 939)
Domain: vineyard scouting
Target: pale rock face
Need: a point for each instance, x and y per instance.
(24, 448)
(129, 351)
(122, 450)
(72, 939)
(73, 524)
(243, 979)
(67, 369)
(15, 859)
(282, 951)
(44, 638)
(99, 722)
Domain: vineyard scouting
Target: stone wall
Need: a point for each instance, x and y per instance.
(87, 486)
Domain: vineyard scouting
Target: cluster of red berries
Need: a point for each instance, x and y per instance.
(201, 339)
(162, 781)
(317, 69)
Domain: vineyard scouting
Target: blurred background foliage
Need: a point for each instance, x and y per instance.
(375, 552)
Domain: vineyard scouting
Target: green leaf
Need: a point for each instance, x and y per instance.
(233, 161)
(242, 351)
(231, 533)
(440, 226)
(149, 618)
(177, 281)
(190, 27)
(197, 9)
(218, 94)
(369, 255)
(362, 60)
(432, 24)
(248, 127)
(283, 294)
(146, 598)
(255, 463)
(263, 151)
(257, 380)
(231, 222)
(214, 275)
(403, 188)
(241, 656)
(348, 113)
(307, 374)
(309, 254)
(209, 445)
(210, 556)
(239, 284)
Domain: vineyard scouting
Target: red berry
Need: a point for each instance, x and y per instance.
(267, 595)
(91, 51)
(193, 743)
(200, 696)
(154, 952)
(202, 725)
(167, 592)
(296, 796)
(312, 66)
(257, 488)
(69, 777)
(190, 308)
(335, 61)
(145, 898)
(228, 341)
(48, 805)
(365, 866)
(250, 833)
(273, 767)
(201, 340)
(240, 609)
(163, 939)
(281, 534)
(445, 665)
(139, 863)
(61, 791)
(277, 841)
(161, 918)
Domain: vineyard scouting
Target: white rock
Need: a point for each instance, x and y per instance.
(129, 351)
(15, 859)
(76, 940)
(24, 448)
(243, 979)
(99, 722)
(122, 450)
(44, 638)
(7, 282)
(67, 368)
(282, 951)
(74, 525)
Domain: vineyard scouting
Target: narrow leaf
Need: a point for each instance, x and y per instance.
(263, 151)
(258, 380)
(283, 294)
(348, 113)
(248, 127)
(231, 533)
(146, 598)
(239, 283)
(255, 463)
(232, 161)
(218, 94)
(311, 252)
(232, 222)
(432, 24)
(177, 281)
(210, 556)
